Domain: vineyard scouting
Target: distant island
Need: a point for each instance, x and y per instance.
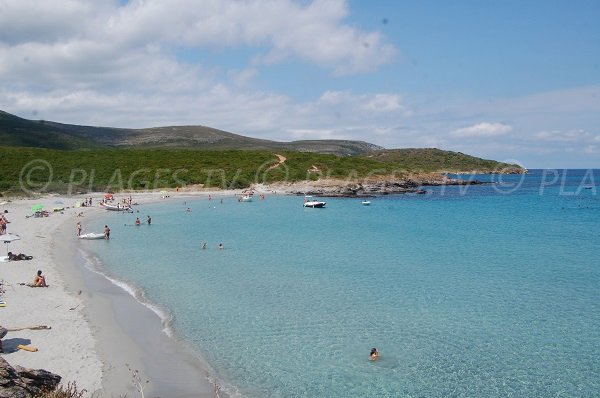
(78, 159)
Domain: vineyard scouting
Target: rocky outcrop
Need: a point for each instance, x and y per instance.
(20, 382)
(380, 187)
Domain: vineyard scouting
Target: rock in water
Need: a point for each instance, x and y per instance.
(20, 382)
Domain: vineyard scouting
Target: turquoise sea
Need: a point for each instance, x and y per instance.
(478, 291)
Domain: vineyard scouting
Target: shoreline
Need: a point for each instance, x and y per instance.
(106, 328)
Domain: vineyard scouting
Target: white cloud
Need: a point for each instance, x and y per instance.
(565, 136)
(98, 37)
(334, 97)
(484, 129)
(384, 103)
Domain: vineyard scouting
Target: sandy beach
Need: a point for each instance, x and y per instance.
(68, 348)
(96, 331)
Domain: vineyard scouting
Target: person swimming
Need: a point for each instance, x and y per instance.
(374, 355)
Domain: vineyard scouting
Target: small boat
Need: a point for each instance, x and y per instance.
(365, 202)
(310, 202)
(246, 198)
(91, 235)
(117, 207)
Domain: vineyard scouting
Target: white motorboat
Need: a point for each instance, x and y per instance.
(246, 198)
(309, 201)
(366, 202)
(91, 235)
(117, 207)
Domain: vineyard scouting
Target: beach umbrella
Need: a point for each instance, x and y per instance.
(36, 208)
(7, 238)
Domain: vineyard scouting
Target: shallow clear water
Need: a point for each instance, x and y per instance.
(466, 292)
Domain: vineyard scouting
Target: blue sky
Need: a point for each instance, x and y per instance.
(510, 80)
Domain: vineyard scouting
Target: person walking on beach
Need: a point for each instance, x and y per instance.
(106, 232)
(3, 223)
(78, 226)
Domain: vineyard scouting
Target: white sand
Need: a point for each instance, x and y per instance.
(68, 347)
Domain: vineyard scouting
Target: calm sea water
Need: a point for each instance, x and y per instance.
(483, 291)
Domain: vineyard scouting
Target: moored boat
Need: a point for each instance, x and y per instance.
(309, 201)
(117, 207)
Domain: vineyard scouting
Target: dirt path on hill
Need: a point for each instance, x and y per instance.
(279, 162)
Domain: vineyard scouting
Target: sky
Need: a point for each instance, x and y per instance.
(508, 80)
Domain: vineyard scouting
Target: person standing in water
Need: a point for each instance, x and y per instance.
(137, 221)
(106, 232)
(149, 220)
(78, 227)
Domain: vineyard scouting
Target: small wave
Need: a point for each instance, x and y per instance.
(94, 264)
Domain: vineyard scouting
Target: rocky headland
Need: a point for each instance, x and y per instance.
(371, 187)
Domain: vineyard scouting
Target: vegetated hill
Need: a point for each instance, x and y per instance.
(437, 160)
(16, 131)
(111, 169)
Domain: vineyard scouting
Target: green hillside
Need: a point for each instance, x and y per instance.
(115, 169)
(99, 170)
(437, 160)
(16, 131)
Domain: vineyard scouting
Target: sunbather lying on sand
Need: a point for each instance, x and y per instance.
(18, 257)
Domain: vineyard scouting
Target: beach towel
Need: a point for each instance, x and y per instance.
(27, 348)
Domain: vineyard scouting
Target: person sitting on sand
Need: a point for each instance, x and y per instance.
(374, 354)
(39, 280)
